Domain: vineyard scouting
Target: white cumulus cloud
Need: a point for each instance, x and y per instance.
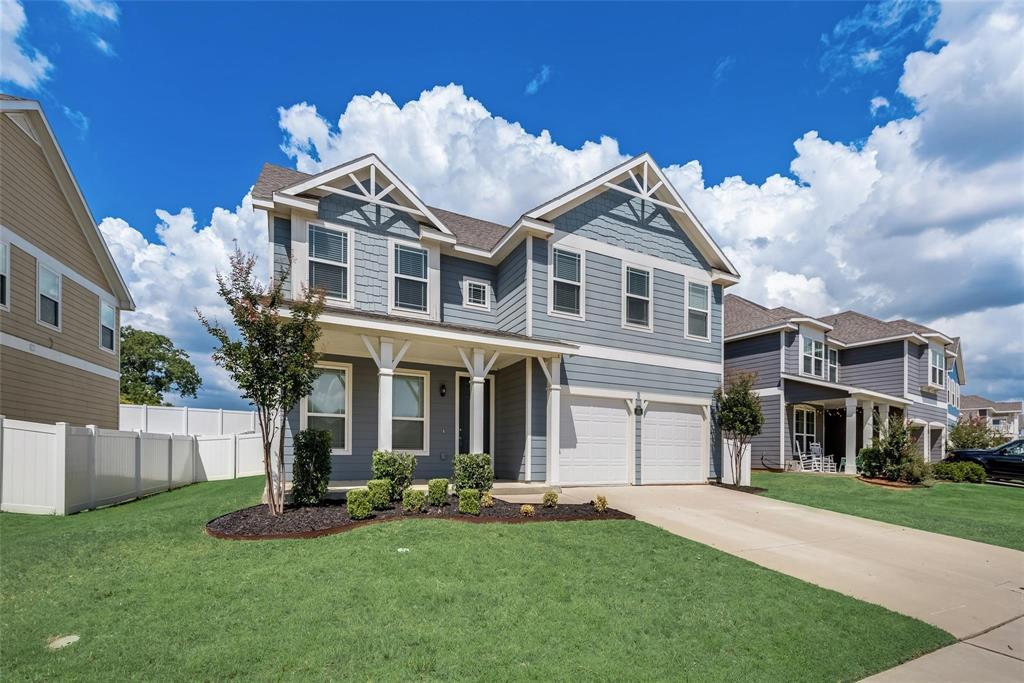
(20, 63)
(100, 9)
(878, 103)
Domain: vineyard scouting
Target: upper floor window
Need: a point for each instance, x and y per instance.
(108, 325)
(636, 293)
(813, 357)
(938, 367)
(329, 404)
(410, 278)
(833, 364)
(698, 312)
(566, 282)
(5, 270)
(476, 294)
(330, 266)
(49, 285)
(953, 394)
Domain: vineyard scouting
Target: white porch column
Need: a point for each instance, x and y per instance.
(387, 360)
(851, 436)
(869, 422)
(554, 418)
(477, 366)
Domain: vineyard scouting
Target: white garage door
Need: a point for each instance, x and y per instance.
(671, 444)
(594, 436)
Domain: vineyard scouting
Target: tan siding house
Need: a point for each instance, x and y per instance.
(61, 295)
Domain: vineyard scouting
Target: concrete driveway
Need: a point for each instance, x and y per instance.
(961, 586)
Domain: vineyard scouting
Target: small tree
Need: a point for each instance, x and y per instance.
(740, 416)
(152, 365)
(274, 360)
(973, 432)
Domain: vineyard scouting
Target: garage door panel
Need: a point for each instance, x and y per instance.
(594, 441)
(672, 444)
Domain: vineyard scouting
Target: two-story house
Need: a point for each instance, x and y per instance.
(832, 380)
(579, 345)
(61, 295)
(957, 378)
(1002, 416)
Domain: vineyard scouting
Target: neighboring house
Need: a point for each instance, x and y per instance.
(832, 380)
(60, 292)
(579, 345)
(957, 379)
(1002, 416)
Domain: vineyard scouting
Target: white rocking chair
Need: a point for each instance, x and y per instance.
(826, 463)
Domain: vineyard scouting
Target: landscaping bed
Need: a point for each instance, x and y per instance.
(331, 517)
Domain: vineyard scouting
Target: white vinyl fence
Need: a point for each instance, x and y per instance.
(49, 469)
(185, 420)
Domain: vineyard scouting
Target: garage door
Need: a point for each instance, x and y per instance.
(672, 444)
(594, 436)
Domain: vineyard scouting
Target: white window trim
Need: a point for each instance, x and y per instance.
(649, 327)
(101, 326)
(39, 295)
(349, 270)
(686, 307)
(582, 284)
(805, 433)
(829, 350)
(488, 293)
(393, 244)
(5, 263)
(940, 352)
(425, 374)
(304, 406)
(824, 357)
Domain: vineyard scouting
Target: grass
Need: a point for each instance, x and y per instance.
(978, 512)
(154, 598)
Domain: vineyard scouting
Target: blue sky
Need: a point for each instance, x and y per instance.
(783, 121)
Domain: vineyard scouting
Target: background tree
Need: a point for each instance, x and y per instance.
(740, 416)
(973, 432)
(152, 366)
(273, 361)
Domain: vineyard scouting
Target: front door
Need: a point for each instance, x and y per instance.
(464, 411)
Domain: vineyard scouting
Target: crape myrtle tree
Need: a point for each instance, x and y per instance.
(273, 359)
(739, 415)
(973, 432)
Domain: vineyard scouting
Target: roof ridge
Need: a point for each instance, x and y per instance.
(745, 300)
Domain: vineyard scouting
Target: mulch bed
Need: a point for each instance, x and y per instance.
(331, 517)
(741, 489)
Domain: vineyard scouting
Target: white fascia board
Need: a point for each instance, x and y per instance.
(266, 204)
(658, 359)
(763, 330)
(900, 337)
(719, 277)
(853, 391)
(432, 235)
(296, 202)
(937, 335)
(812, 321)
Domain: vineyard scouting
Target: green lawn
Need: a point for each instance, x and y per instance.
(979, 512)
(153, 598)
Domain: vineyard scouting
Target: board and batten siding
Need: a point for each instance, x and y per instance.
(759, 355)
(510, 425)
(878, 367)
(453, 272)
(511, 291)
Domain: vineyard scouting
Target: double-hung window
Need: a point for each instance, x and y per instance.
(329, 404)
(108, 326)
(804, 429)
(698, 312)
(5, 272)
(330, 266)
(636, 296)
(813, 357)
(833, 364)
(566, 282)
(410, 290)
(938, 366)
(410, 409)
(49, 286)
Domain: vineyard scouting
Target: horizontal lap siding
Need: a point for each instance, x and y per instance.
(41, 390)
(538, 424)
(764, 448)
(511, 292)
(453, 272)
(792, 353)
(798, 391)
(759, 355)
(878, 367)
(598, 372)
(282, 247)
(510, 422)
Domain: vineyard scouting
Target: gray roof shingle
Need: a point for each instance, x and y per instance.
(974, 402)
(743, 315)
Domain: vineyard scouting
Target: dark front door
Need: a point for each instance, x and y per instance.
(835, 434)
(464, 412)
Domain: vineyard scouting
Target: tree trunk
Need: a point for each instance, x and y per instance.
(280, 457)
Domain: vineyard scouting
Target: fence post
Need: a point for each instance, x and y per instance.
(234, 455)
(184, 421)
(195, 456)
(60, 449)
(220, 420)
(91, 463)
(145, 418)
(138, 463)
(170, 461)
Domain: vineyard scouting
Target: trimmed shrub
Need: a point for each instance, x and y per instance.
(486, 500)
(601, 504)
(469, 502)
(413, 501)
(396, 468)
(311, 470)
(473, 471)
(550, 499)
(358, 503)
(959, 472)
(893, 455)
(527, 510)
(380, 493)
(437, 492)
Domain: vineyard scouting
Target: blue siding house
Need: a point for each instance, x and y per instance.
(579, 345)
(957, 379)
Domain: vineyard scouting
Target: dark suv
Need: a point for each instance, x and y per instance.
(1001, 462)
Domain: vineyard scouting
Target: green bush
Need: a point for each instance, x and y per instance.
(311, 470)
(358, 503)
(413, 501)
(380, 493)
(959, 472)
(437, 492)
(469, 502)
(396, 468)
(892, 455)
(486, 500)
(550, 499)
(527, 510)
(473, 471)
